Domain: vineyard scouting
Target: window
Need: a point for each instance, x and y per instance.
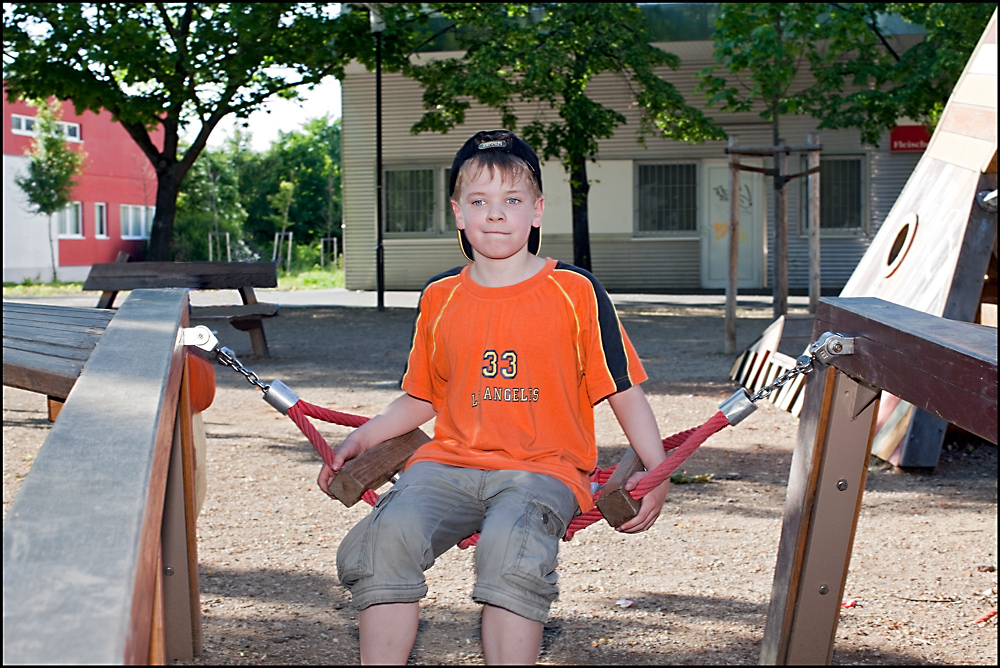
(101, 220)
(841, 195)
(69, 221)
(417, 203)
(136, 221)
(26, 125)
(666, 199)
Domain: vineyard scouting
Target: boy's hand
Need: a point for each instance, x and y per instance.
(651, 505)
(349, 449)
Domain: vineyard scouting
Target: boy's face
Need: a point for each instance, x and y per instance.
(497, 214)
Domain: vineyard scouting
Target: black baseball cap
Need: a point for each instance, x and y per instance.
(486, 142)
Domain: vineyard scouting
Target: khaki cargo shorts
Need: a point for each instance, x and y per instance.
(522, 517)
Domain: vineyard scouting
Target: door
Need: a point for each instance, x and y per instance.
(715, 228)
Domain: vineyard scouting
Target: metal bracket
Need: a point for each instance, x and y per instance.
(200, 337)
(830, 345)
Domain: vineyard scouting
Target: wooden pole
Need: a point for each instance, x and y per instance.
(780, 234)
(814, 224)
(734, 247)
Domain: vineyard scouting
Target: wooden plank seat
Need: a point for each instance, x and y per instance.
(377, 466)
(46, 347)
(112, 277)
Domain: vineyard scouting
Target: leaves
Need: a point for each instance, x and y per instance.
(853, 55)
(53, 166)
(172, 66)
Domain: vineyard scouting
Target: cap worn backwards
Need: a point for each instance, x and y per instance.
(502, 141)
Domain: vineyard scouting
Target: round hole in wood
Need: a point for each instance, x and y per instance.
(901, 244)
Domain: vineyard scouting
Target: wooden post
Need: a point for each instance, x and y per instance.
(732, 285)
(814, 223)
(256, 328)
(780, 233)
(825, 485)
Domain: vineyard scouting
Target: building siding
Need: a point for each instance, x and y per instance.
(622, 261)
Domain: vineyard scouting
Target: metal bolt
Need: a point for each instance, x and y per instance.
(168, 571)
(842, 485)
(824, 590)
(837, 347)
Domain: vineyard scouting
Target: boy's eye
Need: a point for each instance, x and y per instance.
(512, 200)
(477, 202)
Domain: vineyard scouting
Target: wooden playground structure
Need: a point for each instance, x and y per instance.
(936, 252)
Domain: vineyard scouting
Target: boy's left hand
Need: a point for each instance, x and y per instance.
(651, 505)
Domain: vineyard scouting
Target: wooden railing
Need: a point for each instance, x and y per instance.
(946, 367)
(99, 551)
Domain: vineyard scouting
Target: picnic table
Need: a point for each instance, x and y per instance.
(112, 277)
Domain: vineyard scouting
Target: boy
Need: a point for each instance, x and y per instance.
(509, 354)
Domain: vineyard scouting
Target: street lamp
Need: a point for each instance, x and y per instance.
(378, 25)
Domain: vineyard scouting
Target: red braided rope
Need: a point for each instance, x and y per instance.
(685, 443)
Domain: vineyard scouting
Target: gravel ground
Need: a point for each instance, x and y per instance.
(692, 590)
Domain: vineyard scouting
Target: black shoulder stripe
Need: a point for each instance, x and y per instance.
(611, 333)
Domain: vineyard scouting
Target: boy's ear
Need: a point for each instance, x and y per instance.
(457, 210)
(539, 209)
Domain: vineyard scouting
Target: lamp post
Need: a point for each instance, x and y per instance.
(378, 25)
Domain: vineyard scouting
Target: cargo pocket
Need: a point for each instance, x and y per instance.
(356, 554)
(536, 556)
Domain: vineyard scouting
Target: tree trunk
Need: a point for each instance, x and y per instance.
(579, 190)
(161, 237)
(52, 251)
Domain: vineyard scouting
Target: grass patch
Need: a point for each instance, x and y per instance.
(314, 279)
(31, 288)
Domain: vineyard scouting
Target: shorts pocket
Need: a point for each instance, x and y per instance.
(356, 554)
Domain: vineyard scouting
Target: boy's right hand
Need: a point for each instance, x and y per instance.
(349, 449)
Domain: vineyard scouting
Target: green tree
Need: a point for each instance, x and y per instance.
(172, 65)
(208, 203)
(281, 202)
(548, 54)
(309, 158)
(52, 169)
(764, 50)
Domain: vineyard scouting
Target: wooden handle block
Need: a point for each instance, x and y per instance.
(375, 467)
(615, 503)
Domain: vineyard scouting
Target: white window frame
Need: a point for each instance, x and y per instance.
(136, 221)
(69, 221)
(639, 199)
(442, 222)
(100, 220)
(862, 195)
(27, 126)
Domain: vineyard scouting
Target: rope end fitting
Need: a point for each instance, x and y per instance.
(280, 396)
(737, 407)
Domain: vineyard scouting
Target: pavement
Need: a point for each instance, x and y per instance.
(341, 297)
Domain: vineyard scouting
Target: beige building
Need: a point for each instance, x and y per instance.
(658, 213)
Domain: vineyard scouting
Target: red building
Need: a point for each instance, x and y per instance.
(112, 207)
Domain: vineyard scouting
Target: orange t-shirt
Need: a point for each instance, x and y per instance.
(514, 372)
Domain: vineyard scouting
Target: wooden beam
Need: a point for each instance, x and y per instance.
(375, 467)
(946, 367)
(81, 540)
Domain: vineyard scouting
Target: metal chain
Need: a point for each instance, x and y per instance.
(226, 357)
(803, 365)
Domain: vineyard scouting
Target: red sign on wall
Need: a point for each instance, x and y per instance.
(909, 138)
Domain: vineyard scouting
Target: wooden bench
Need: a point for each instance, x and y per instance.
(46, 347)
(113, 277)
(99, 546)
